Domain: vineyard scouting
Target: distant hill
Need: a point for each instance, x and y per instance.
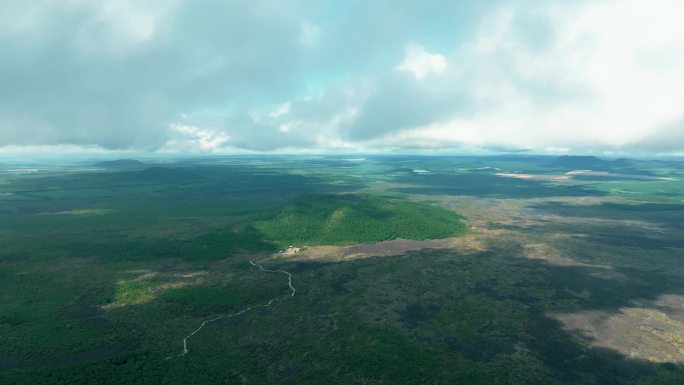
(576, 162)
(169, 175)
(622, 162)
(120, 163)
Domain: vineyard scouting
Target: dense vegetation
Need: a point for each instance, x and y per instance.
(102, 273)
(314, 219)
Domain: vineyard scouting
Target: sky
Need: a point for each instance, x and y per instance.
(297, 76)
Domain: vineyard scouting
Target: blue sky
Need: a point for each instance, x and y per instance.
(210, 76)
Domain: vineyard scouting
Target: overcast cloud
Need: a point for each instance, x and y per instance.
(605, 76)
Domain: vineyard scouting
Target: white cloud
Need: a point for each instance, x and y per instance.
(193, 138)
(280, 110)
(309, 34)
(592, 83)
(114, 25)
(612, 75)
(128, 20)
(586, 75)
(55, 149)
(422, 63)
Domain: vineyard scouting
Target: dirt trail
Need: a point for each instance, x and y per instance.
(269, 303)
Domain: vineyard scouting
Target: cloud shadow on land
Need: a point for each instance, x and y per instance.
(495, 310)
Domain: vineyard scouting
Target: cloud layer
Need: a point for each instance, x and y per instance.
(210, 75)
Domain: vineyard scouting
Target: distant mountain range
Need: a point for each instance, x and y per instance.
(588, 162)
(120, 163)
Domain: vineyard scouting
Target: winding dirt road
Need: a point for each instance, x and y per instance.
(269, 303)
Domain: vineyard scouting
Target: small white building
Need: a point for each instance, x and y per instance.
(292, 250)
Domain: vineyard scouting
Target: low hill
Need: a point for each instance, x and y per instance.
(169, 175)
(315, 219)
(622, 162)
(576, 162)
(120, 163)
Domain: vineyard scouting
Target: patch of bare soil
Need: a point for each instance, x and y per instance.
(394, 247)
(610, 274)
(551, 255)
(672, 301)
(645, 333)
(536, 176)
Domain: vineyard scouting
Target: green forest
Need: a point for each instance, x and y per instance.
(342, 219)
(104, 272)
